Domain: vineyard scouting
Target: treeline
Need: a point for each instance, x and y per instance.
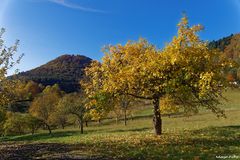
(38, 107)
(221, 43)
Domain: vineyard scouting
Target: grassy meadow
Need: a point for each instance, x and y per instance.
(201, 136)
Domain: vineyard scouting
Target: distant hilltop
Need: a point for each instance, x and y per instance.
(66, 71)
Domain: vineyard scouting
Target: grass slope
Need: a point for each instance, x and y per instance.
(202, 136)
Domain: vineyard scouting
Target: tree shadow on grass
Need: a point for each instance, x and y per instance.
(219, 131)
(62, 134)
(40, 136)
(208, 143)
(132, 130)
(205, 143)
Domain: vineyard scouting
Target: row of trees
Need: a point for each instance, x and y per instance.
(55, 108)
(49, 109)
(52, 108)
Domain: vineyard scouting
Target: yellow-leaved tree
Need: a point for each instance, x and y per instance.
(185, 70)
(7, 62)
(74, 104)
(44, 105)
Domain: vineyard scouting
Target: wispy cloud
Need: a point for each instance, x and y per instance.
(68, 4)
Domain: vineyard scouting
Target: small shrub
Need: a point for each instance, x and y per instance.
(14, 124)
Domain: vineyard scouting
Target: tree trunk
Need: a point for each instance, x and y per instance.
(157, 121)
(81, 126)
(33, 129)
(125, 117)
(49, 129)
(62, 126)
(80, 121)
(86, 123)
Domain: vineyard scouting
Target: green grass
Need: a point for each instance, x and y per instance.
(202, 136)
(233, 99)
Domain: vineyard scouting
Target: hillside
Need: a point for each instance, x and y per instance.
(221, 43)
(65, 70)
(229, 45)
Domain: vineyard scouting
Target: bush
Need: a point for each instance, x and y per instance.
(15, 124)
(18, 123)
(32, 123)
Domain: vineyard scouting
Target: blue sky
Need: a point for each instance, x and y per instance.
(49, 28)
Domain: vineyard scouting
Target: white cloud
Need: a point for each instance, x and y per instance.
(67, 4)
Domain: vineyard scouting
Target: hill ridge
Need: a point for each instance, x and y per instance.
(65, 70)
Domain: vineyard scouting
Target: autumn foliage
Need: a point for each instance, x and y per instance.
(185, 70)
(7, 61)
(185, 76)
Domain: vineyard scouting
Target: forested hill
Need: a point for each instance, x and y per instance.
(231, 48)
(229, 45)
(65, 70)
(221, 43)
